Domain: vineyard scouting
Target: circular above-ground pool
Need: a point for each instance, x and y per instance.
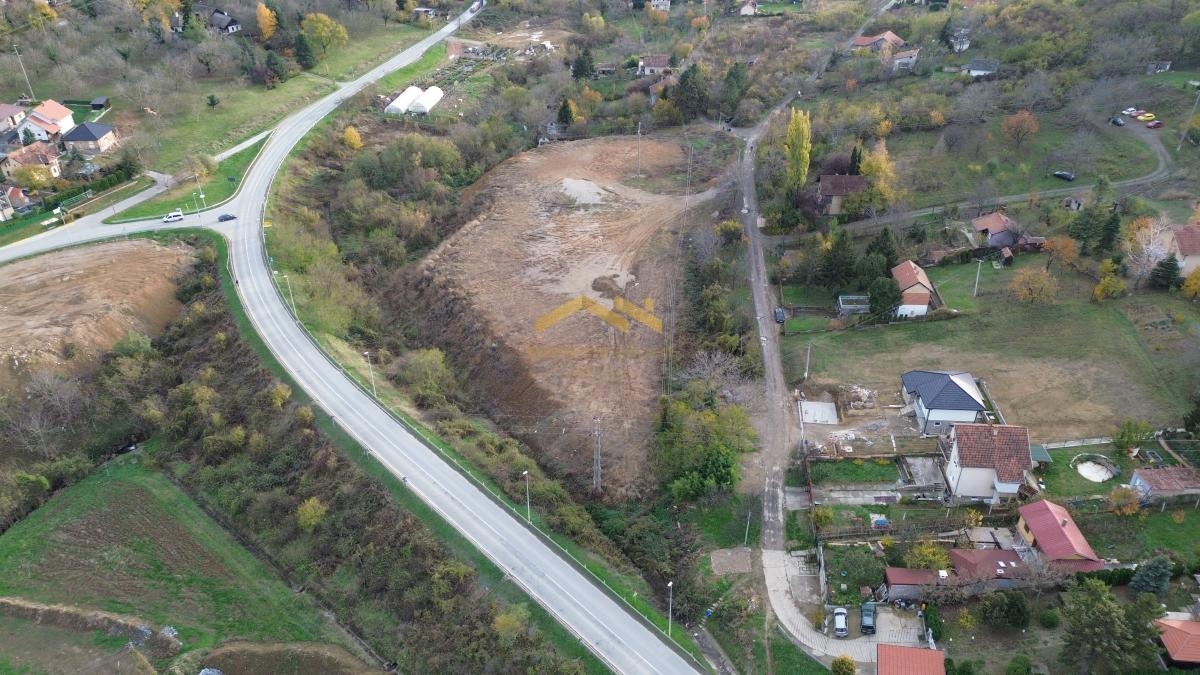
(1094, 467)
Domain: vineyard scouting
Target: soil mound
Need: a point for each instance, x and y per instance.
(81, 301)
(557, 298)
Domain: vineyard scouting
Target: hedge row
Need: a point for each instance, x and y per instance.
(109, 181)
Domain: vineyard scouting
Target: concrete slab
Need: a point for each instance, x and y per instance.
(795, 499)
(818, 412)
(924, 470)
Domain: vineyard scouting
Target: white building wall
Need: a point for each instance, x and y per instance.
(912, 310)
(939, 421)
(969, 482)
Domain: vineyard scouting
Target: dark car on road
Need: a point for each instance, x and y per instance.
(226, 217)
(1065, 175)
(780, 315)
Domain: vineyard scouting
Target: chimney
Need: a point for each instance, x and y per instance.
(995, 431)
(1063, 523)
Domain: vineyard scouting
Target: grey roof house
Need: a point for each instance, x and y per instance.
(939, 399)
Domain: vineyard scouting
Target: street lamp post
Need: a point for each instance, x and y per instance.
(291, 297)
(528, 513)
(670, 603)
(371, 368)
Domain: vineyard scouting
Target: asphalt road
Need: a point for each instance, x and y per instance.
(601, 623)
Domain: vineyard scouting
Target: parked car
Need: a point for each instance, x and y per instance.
(1137, 113)
(173, 217)
(867, 623)
(1116, 121)
(1156, 124)
(1065, 175)
(839, 622)
(1129, 111)
(226, 217)
(1147, 117)
(780, 315)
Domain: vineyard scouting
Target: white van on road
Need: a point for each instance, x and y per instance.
(173, 217)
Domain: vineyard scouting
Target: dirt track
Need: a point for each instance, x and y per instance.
(89, 297)
(563, 229)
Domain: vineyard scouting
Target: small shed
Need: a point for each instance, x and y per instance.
(1006, 256)
(901, 583)
(101, 103)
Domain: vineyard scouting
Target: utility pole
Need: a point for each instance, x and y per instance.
(746, 539)
(670, 603)
(639, 150)
(596, 453)
(1183, 132)
(978, 267)
(807, 359)
(528, 513)
(21, 61)
(371, 368)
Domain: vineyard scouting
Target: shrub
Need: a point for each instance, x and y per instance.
(1152, 576)
(1049, 618)
(933, 621)
(1020, 665)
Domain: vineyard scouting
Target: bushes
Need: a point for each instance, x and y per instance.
(1049, 619)
(933, 621)
(1005, 611)
(1113, 577)
(109, 181)
(1019, 665)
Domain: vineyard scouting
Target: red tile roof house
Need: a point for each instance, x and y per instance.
(984, 570)
(1170, 481)
(997, 230)
(1051, 530)
(48, 120)
(654, 64)
(916, 292)
(39, 153)
(1185, 244)
(1182, 640)
(898, 660)
(902, 583)
(986, 462)
(876, 42)
(832, 190)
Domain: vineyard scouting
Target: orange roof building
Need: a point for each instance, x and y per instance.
(1051, 529)
(916, 292)
(898, 660)
(1182, 640)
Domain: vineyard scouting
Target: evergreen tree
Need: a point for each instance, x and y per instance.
(304, 52)
(837, 262)
(1152, 576)
(1086, 226)
(885, 296)
(871, 266)
(884, 244)
(583, 66)
(185, 14)
(946, 34)
(1165, 274)
(1109, 232)
(797, 148)
(278, 66)
(566, 112)
(691, 94)
(737, 81)
(856, 156)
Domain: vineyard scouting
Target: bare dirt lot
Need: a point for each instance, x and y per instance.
(557, 295)
(284, 659)
(89, 298)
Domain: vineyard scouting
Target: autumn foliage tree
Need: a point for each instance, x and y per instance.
(1123, 501)
(351, 139)
(1062, 251)
(1020, 127)
(267, 22)
(1110, 285)
(797, 147)
(1191, 285)
(323, 30)
(843, 665)
(1033, 286)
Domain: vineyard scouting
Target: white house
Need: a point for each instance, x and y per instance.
(654, 64)
(981, 67)
(47, 121)
(660, 5)
(749, 9)
(916, 292)
(987, 461)
(939, 399)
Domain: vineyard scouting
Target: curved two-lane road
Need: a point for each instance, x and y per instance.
(605, 627)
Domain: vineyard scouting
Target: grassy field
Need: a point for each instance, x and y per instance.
(798, 531)
(217, 188)
(1069, 369)
(722, 521)
(410, 73)
(1132, 538)
(934, 178)
(802, 324)
(28, 647)
(242, 112)
(1063, 481)
(854, 471)
(126, 540)
(368, 50)
(807, 296)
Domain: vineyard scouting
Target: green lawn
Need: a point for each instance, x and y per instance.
(217, 188)
(807, 296)
(408, 74)
(801, 324)
(24, 227)
(1063, 481)
(956, 283)
(1133, 538)
(365, 51)
(777, 7)
(934, 178)
(798, 531)
(126, 540)
(847, 471)
(242, 112)
(722, 520)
